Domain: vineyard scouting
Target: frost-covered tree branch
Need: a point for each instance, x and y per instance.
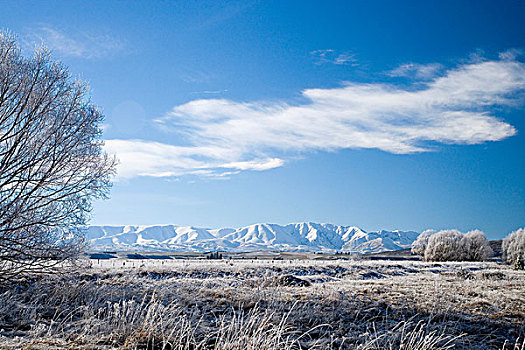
(51, 161)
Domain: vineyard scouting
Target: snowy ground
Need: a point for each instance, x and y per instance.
(269, 304)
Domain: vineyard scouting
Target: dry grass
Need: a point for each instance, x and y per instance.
(189, 304)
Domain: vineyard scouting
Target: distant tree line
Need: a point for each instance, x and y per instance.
(214, 256)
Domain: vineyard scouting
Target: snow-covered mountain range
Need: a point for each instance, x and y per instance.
(309, 237)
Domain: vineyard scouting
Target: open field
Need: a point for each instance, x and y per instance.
(268, 304)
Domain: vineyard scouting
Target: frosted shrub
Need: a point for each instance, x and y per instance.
(514, 248)
(419, 246)
(475, 246)
(444, 246)
(452, 245)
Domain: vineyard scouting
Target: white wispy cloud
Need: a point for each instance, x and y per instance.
(155, 159)
(224, 136)
(417, 71)
(511, 54)
(210, 92)
(75, 44)
(334, 57)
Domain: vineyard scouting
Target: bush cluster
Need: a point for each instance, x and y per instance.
(452, 245)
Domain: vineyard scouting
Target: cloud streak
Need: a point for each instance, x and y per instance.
(80, 44)
(223, 136)
(417, 71)
(155, 159)
(333, 57)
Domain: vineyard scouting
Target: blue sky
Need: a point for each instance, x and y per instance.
(378, 114)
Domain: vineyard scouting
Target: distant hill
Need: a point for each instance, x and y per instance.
(496, 247)
(306, 237)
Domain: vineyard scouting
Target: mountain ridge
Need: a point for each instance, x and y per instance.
(300, 236)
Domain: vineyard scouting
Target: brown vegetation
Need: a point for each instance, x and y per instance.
(232, 304)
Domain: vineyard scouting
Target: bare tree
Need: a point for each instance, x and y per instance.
(51, 161)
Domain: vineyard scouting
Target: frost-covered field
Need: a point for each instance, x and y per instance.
(265, 304)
